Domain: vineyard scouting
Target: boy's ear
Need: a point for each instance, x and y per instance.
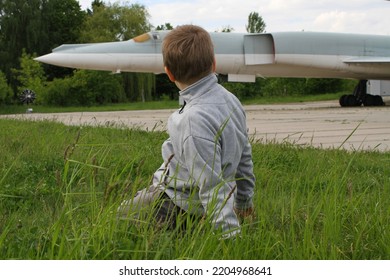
(169, 73)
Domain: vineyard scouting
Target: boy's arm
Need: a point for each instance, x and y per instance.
(203, 161)
(245, 182)
(167, 154)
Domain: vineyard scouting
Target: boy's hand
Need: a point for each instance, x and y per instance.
(246, 214)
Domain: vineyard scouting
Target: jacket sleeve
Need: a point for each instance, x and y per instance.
(245, 180)
(203, 160)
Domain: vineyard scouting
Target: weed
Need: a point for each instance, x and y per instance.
(60, 187)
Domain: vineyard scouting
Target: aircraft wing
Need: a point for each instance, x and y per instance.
(367, 60)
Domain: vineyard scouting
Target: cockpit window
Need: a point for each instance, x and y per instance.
(142, 38)
(147, 36)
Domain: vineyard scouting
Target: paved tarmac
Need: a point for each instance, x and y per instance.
(319, 124)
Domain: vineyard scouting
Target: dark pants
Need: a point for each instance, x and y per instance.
(154, 205)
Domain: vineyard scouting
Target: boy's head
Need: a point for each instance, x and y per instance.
(188, 53)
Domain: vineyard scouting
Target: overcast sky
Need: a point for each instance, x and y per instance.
(352, 16)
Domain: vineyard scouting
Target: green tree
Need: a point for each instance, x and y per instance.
(21, 28)
(30, 75)
(163, 85)
(85, 88)
(318, 86)
(166, 26)
(6, 92)
(36, 26)
(247, 90)
(62, 21)
(227, 29)
(113, 22)
(95, 4)
(256, 23)
(57, 92)
(105, 88)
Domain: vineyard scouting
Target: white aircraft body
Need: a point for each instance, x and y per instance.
(243, 57)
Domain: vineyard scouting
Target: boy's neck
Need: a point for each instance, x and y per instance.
(185, 85)
(182, 86)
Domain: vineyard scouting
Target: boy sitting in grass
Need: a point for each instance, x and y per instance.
(208, 169)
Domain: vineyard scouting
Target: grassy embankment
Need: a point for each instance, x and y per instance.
(60, 186)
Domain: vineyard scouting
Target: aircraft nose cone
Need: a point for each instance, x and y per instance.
(57, 59)
(48, 58)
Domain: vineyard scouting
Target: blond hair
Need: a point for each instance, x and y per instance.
(188, 53)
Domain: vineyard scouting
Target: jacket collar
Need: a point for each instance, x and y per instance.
(199, 88)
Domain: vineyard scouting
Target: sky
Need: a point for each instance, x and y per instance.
(352, 16)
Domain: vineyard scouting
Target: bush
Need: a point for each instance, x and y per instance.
(288, 87)
(30, 75)
(85, 88)
(57, 92)
(6, 92)
(319, 86)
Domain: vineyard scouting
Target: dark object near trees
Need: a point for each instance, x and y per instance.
(27, 96)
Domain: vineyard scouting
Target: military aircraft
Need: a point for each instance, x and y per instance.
(243, 57)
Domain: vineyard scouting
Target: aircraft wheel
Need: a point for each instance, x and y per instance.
(368, 100)
(351, 101)
(379, 100)
(373, 100)
(342, 100)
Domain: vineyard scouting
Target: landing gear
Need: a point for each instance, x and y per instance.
(360, 96)
(373, 100)
(349, 101)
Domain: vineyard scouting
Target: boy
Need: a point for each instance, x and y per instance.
(208, 168)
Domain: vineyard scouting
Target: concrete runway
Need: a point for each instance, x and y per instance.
(318, 124)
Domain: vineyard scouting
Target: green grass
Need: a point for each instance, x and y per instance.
(292, 99)
(164, 104)
(60, 187)
(151, 105)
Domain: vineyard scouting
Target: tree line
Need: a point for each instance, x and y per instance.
(33, 28)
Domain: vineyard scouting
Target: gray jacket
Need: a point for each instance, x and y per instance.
(211, 170)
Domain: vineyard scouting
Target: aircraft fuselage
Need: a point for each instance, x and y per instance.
(245, 56)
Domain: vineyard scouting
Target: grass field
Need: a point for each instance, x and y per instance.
(60, 187)
(162, 104)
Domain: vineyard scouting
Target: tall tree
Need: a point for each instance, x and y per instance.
(245, 90)
(6, 92)
(30, 75)
(227, 29)
(256, 23)
(112, 22)
(95, 4)
(163, 84)
(166, 26)
(35, 26)
(21, 28)
(62, 21)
